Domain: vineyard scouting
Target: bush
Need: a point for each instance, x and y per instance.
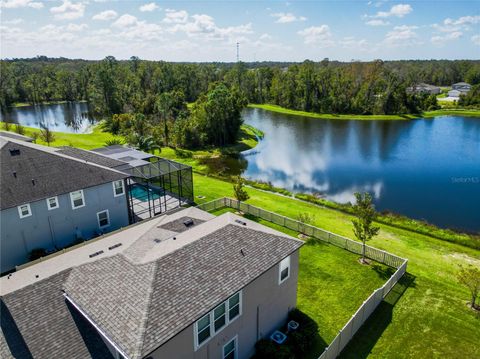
(302, 339)
(266, 349)
(37, 253)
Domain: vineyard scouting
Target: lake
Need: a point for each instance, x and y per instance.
(63, 117)
(425, 169)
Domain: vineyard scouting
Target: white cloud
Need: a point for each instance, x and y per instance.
(77, 27)
(14, 4)
(402, 36)
(148, 7)
(284, 18)
(13, 21)
(125, 21)
(476, 39)
(68, 10)
(442, 40)
(105, 15)
(399, 10)
(317, 35)
(265, 37)
(175, 17)
(464, 20)
(350, 42)
(377, 22)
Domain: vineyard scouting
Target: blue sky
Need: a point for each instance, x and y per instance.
(266, 30)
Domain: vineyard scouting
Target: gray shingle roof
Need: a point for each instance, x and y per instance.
(91, 156)
(52, 172)
(37, 322)
(179, 226)
(16, 136)
(155, 301)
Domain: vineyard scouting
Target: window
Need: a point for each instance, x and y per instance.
(230, 349)
(284, 270)
(203, 329)
(234, 307)
(219, 317)
(103, 219)
(77, 199)
(214, 322)
(24, 210)
(52, 203)
(118, 188)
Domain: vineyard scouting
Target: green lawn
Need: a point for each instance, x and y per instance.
(326, 274)
(429, 318)
(426, 114)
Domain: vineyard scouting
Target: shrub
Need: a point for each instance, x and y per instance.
(266, 349)
(114, 141)
(302, 339)
(37, 253)
(19, 129)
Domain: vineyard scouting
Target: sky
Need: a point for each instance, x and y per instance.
(265, 30)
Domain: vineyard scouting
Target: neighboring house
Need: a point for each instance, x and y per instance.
(424, 88)
(454, 93)
(462, 86)
(183, 285)
(49, 200)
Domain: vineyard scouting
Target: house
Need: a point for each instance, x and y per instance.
(462, 87)
(424, 88)
(49, 200)
(180, 285)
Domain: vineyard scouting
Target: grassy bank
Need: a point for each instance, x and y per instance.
(426, 114)
(425, 317)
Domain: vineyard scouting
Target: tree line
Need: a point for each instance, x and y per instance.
(159, 91)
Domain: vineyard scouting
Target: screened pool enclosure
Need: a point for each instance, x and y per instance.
(158, 186)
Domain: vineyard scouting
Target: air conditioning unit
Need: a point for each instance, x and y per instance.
(292, 326)
(278, 337)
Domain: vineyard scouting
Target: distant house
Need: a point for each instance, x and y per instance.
(51, 198)
(455, 93)
(184, 285)
(462, 87)
(424, 88)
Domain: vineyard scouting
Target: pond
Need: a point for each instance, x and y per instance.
(425, 169)
(70, 117)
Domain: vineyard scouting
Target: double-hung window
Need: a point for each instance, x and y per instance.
(103, 219)
(24, 210)
(52, 203)
(284, 270)
(213, 322)
(230, 349)
(77, 199)
(118, 188)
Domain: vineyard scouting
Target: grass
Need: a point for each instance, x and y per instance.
(327, 273)
(426, 114)
(430, 318)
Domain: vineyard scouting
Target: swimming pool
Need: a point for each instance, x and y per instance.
(140, 193)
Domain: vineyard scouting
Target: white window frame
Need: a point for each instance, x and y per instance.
(284, 264)
(123, 188)
(211, 315)
(83, 199)
(235, 347)
(20, 210)
(108, 217)
(56, 203)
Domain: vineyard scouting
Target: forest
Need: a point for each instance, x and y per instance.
(139, 97)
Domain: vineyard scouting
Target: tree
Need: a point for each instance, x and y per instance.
(470, 278)
(46, 135)
(305, 218)
(363, 225)
(238, 190)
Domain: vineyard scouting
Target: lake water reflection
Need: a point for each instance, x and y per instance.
(425, 169)
(63, 117)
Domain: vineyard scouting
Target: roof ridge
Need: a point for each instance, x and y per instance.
(140, 340)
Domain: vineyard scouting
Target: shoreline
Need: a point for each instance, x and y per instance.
(406, 117)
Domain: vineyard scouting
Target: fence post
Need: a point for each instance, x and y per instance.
(384, 255)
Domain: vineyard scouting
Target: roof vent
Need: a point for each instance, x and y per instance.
(15, 152)
(95, 254)
(156, 240)
(242, 252)
(114, 246)
(188, 222)
(241, 222)
(14, 174)
(33, 182)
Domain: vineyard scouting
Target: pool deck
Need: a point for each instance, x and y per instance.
(161, 205)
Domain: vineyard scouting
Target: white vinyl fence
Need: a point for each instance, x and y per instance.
(367, 308)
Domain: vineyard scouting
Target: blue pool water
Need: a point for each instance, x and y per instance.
(141, 194)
